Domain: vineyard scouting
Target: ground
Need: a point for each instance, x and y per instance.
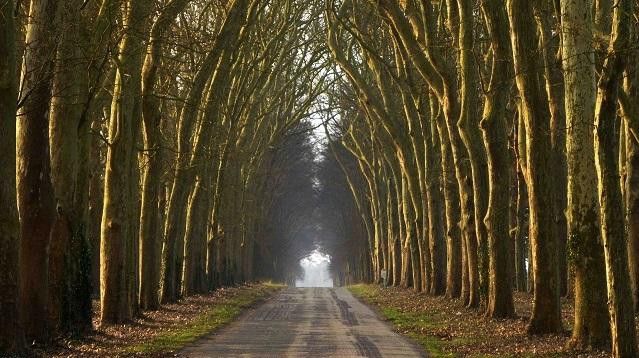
(159, 333)
(307, 322)
(446, 329)
(268, 320)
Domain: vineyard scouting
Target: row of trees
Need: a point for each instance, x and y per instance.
(138, 143)
(491, 146)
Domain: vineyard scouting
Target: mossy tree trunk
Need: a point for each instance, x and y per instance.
(583, 228)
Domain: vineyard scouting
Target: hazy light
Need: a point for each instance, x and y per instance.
(316, 272)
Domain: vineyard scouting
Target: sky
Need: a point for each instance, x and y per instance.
(316, 273)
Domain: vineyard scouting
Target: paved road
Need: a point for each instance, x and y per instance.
(306, 322)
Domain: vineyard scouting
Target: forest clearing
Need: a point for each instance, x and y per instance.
(462, 172)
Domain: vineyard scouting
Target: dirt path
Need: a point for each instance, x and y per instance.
(306, 322)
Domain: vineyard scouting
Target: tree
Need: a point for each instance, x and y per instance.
(583, 230)
(11, 334)
(116, 242)
(546, 316)
(150, 225)
(34, 189)
(500, 300)
(620, 305)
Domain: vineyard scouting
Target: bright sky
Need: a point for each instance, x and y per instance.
(316, 273)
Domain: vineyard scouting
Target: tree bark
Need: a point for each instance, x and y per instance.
(471, 135)
(117, 231)
(150, 223)
(35, 193)
(69, 254)
(620, 305)
(631, 89)
(546, 316)
(583, 228)
(493, 125)
(11, 334)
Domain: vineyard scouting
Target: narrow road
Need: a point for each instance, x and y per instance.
(306, 322)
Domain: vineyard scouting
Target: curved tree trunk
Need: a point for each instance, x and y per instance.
(220, 57)
(493, 125)
(150, 224)
(470, 134)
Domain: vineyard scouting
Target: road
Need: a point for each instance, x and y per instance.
(306, 322)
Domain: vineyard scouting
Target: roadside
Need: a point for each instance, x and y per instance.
(446, 329)
(159, 333)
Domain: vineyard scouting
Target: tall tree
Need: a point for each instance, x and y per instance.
(34, 189)
(583, 229)
(116, 242)
(150, 224)
(546, 315)
(622, 323)
(493, 125)
(184, 179)
(11, 334)
(69, 252)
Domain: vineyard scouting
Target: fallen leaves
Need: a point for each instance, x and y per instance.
(446, 328)
(117, 340)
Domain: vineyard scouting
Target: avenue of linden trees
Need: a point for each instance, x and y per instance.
(319, 178)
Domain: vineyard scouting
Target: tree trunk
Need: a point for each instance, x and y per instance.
(35, 193)
(583, 228)
(150, 223)
(631, 89)
(116, 245)
(11, 334)
(545, 13)
(436, 226)
(622, 323)
(471, 135)
(546, 316)
(454, 262)
(69, 254)
(219, 56)
(96, 203)
(521, 234)
(493, 125)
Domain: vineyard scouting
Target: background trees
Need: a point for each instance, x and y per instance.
(201, 144)
(436, 56)
(146, 118)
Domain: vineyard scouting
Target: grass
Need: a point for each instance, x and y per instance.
(213, 318)
(445, 328)
(417, 325)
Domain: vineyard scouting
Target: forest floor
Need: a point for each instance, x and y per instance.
(159, 333)
(446, 329)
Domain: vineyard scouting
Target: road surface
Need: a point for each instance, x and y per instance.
(306, 322)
